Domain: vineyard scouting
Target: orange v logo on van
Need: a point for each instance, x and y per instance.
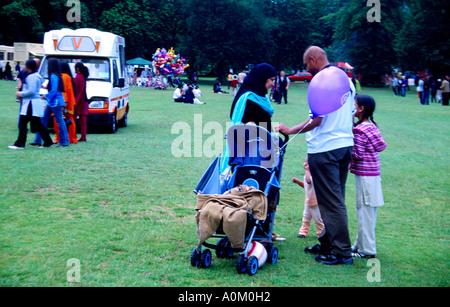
(76, 45)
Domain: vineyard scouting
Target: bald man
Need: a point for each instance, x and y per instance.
(330, 142)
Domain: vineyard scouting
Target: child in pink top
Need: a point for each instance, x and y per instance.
(311, 209)
(365, 165)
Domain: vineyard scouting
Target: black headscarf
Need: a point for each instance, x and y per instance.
(255, 82)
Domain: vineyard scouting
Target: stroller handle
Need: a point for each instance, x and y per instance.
(285, 140)
(286, 137)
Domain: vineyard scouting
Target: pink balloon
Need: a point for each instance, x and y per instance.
(328, 91)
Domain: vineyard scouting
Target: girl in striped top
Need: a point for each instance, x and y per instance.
(365, 164)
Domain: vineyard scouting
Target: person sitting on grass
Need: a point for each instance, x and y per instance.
(218, 89)
(178, 94)
(197, 94)
(189, 96)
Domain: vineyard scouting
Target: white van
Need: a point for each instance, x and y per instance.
(103, 54)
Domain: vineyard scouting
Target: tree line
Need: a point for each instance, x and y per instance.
(215, 35)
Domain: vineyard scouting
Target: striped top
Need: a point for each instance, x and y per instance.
(368, 143)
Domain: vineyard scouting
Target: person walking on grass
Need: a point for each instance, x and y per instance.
(31, 108)
(69, 97)
(55, 101)
(365, 165)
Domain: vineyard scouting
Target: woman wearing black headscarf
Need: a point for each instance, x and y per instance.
(251, 103)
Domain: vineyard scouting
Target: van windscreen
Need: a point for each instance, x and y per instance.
(99, 68)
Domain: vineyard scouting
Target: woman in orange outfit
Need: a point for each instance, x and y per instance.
(69, 97)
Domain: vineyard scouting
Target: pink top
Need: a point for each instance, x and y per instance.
(368, 143)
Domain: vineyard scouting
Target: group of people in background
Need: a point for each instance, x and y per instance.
(140, 77)
(399, 85)
(429, 89)
(6, 71)
(235, 81)
(187, 93)
(66, 99)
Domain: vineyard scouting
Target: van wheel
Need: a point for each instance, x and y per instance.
(124, 121)
(113, 123)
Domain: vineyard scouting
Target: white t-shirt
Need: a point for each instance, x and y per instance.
(420, 86)
(241, 77)
(336, 129)
(177, 93)
(197, 92)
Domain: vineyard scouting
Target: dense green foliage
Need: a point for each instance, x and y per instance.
(216, 35)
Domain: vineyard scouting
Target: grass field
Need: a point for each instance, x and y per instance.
(123, 205)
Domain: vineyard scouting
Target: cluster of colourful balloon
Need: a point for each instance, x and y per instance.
(167, 62)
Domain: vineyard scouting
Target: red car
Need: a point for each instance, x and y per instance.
(301, 76)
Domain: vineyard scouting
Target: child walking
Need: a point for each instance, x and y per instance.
(365, 165)
(311, 209)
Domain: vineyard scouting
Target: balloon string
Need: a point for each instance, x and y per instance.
(310, 121)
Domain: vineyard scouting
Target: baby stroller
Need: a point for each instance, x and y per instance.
(255, 160)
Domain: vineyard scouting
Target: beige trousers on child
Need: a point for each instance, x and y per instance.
(369, 196)
(365, 241)
(308, 214)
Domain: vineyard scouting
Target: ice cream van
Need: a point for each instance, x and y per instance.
(103, 54)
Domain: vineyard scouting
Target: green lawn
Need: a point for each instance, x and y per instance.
(123, 205)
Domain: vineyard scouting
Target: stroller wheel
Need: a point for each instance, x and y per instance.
(272, 254)
(206, 257)
(241, 265)
(195, 258)
(222, 249)
(252, 265)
